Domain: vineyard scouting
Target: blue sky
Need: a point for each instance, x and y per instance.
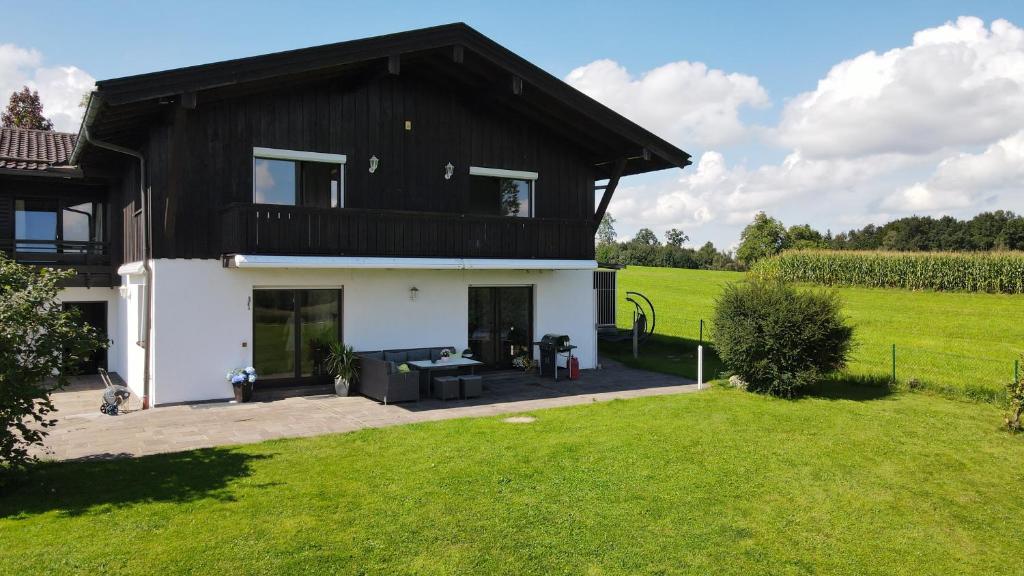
(785, 47)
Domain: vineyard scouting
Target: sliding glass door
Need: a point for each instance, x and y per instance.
(292, 330)
(500, 323)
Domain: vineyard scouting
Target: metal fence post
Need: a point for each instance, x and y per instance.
(700, 367)
(894, 363)
(701, 331)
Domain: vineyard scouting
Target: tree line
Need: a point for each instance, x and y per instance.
(766, 236)
(645, 249)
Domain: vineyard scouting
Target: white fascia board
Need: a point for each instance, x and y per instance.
(502, 173)
(360, 262)
(130, 269)
(278, 154)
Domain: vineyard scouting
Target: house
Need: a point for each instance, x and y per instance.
(423, 188)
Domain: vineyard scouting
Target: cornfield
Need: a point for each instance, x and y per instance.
(995, 272)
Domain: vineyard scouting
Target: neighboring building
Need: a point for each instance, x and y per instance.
(424, 188)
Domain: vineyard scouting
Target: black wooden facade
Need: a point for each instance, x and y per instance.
(417, 101)
(201, 172)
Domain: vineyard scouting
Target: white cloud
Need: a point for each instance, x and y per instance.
(60, 87)
(683, 102)
(714, 200)
(966, 179)
(960, 84)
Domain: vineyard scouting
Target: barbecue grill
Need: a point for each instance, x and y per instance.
(551, 346)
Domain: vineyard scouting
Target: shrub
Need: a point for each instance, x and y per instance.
(40, 344)
(778, 339)
(948, 271)
(1015, 396)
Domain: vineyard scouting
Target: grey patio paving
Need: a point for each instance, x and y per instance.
(83, 432)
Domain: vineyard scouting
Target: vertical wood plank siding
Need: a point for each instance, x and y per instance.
(200, 164)
(271, 229)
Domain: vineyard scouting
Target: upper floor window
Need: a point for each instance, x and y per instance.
(58, 225)
(298, 178)
(498, 192)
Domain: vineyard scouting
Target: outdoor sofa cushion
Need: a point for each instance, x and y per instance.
(396, 356)
(417, 354)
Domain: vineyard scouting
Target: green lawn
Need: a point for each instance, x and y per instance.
(720, 482)
(966, 342)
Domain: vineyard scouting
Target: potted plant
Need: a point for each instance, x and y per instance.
(242, 380)
(524, 362)
(342, 363)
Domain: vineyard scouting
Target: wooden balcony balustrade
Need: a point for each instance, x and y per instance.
(301, 230)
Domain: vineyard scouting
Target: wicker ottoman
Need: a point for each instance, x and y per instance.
(446, 387)
(471, 386)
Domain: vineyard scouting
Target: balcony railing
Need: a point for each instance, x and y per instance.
(90, 260)
(301, 230)
(60, 252)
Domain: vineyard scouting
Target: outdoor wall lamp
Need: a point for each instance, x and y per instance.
(413, 292)
(448, 171)
(374, 162)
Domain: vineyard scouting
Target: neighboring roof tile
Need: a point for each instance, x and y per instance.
(24, 149)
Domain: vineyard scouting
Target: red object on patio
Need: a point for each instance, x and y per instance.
(574, 368)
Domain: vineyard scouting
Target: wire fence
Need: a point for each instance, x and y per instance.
(973, 376)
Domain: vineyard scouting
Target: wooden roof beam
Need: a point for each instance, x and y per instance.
(613, 182)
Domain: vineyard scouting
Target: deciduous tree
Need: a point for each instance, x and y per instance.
(24, 110)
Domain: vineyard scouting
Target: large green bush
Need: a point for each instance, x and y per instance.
(778, 339)
(952, 271)
(41, 343)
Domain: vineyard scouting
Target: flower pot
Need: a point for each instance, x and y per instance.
(243, 392)
(341, 387)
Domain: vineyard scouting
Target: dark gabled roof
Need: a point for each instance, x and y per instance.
(121, 102)
(24, 149)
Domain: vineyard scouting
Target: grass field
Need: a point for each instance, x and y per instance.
(964, 342)
(720, 482)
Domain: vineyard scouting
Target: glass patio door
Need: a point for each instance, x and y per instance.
(500, 323)
(292, 330)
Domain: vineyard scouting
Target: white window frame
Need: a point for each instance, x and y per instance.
(261, 153)
(511, 174)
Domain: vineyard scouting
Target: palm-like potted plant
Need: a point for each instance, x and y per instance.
(342, 362)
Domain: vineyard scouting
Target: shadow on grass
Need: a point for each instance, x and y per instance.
(100, 484)
(848, 387)
(665, 354)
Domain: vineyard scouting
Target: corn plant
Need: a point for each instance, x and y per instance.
(995, 272)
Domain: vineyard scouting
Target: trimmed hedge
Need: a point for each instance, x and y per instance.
(996, 272)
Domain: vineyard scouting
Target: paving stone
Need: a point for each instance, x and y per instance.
(83, 432)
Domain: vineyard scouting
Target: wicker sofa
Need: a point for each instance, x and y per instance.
(380, 379)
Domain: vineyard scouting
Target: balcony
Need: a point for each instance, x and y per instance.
(300, 230)
(91, 260)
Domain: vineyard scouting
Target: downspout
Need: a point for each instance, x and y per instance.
(147, 250)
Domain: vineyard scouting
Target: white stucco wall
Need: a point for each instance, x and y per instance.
(203, 322)
(115, 325)
(133, 354)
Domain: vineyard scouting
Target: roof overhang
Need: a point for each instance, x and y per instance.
(379, 263)
(121, 106)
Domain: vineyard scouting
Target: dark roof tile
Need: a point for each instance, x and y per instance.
(24, 149)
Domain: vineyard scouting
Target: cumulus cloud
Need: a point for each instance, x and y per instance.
(934, 127)
(960, 84)
(683, 102)
(60, 87)
(721, 198)
(966, 179)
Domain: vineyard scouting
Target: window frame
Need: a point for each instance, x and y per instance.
(100, 215)
(263, 153)
(526, 175)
